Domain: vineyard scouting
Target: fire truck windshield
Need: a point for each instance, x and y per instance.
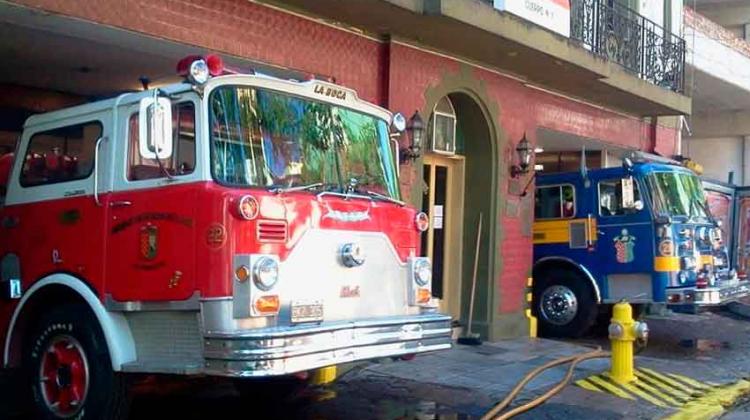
(678, 194)
(275, 140)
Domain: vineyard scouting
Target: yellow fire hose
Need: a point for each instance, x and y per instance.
(573, 360)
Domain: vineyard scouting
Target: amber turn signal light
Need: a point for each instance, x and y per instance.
(267, 304)
(423, 295)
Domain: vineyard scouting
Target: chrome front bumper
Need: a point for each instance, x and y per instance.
(285, 350)
(723, 292)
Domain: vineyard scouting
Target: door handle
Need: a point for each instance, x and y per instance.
(122, 203)
(601, 233)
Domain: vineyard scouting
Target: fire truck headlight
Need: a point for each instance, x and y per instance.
(198, 72)
(682, 277)
(422, 271)
(689, 263)
(266, 273)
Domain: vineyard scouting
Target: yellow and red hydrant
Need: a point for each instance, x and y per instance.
(623, 332)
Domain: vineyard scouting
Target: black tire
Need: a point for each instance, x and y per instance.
(64, 333)
(586, 307)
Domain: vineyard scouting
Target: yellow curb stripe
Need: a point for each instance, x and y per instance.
(713, 403)
(690, 381)
(644, 395)
(587, 385)
(655, 392)
(667, 380)
(664, 387)
(612, 389)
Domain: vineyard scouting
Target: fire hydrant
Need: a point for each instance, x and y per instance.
(623, 332)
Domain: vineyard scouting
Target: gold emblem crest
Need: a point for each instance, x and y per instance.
(149, 242)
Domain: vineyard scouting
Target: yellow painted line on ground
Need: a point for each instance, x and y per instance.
(663, 387)
(690, 381)
(666, 379)
(612, 389)
(587, 385)
(713, 403)
(644, 395)
(656, 393)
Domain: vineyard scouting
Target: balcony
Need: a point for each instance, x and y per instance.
(621, 62)
(625, 37)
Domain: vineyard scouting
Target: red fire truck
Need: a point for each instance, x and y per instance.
(233, 225)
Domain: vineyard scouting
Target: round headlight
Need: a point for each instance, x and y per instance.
(422, 272)
(266, 273)
(198, 72)
(247, 207)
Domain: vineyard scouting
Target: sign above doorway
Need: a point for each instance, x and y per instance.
(551, 14)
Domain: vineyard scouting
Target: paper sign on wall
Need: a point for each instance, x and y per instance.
(551, 14)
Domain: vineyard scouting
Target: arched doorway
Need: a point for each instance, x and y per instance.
(459, 174)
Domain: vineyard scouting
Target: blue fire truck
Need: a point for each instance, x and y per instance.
(641, 232)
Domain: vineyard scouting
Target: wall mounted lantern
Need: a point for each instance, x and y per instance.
(525, 154)
(415, 131)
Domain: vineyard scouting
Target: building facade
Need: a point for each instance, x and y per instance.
(717, 33)
(600, 75)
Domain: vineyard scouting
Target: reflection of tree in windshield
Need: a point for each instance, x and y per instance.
(677, 194)
(270, 139)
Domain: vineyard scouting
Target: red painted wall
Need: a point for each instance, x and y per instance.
(392, 75)
(522, 110)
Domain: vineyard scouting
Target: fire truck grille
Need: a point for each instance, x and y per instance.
(272, 231)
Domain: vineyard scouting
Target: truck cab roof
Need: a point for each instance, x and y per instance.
(639, 168)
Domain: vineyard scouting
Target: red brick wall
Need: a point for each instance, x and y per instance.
(521, 111)
(245, 29)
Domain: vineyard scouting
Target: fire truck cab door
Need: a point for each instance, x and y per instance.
(151, 232)
(625, 238)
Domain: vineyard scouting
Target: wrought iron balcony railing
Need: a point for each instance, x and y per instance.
(622, 35)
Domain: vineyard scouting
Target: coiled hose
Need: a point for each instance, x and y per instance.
(573, 360)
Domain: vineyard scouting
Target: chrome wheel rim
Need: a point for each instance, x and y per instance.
(64, 376)
(558, 305)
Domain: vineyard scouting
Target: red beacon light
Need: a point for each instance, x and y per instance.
(197, 69)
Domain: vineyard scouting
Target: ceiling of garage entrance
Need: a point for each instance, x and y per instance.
(558, 141)
(73, 56)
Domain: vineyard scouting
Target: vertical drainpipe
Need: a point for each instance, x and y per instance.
(385, 73)
(652, 134)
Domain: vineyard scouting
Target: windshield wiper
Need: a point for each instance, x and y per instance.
(383, 197)
(279, 190)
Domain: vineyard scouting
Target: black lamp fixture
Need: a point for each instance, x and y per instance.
(415, 131)
(525, 153)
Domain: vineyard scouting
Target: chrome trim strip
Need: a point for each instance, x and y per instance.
(212, 299)
(190, 304)
(264, 368)
(280, 351)
(581, 267)
(295, 330)
(704, 297)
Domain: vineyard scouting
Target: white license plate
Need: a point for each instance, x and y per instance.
(307, 311)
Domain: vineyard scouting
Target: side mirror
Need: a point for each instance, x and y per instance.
(627, 199)
(399, 122)
(155, 128)
(638, 205)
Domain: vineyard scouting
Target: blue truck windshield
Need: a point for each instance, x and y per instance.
(270, 139)
(678, 194)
